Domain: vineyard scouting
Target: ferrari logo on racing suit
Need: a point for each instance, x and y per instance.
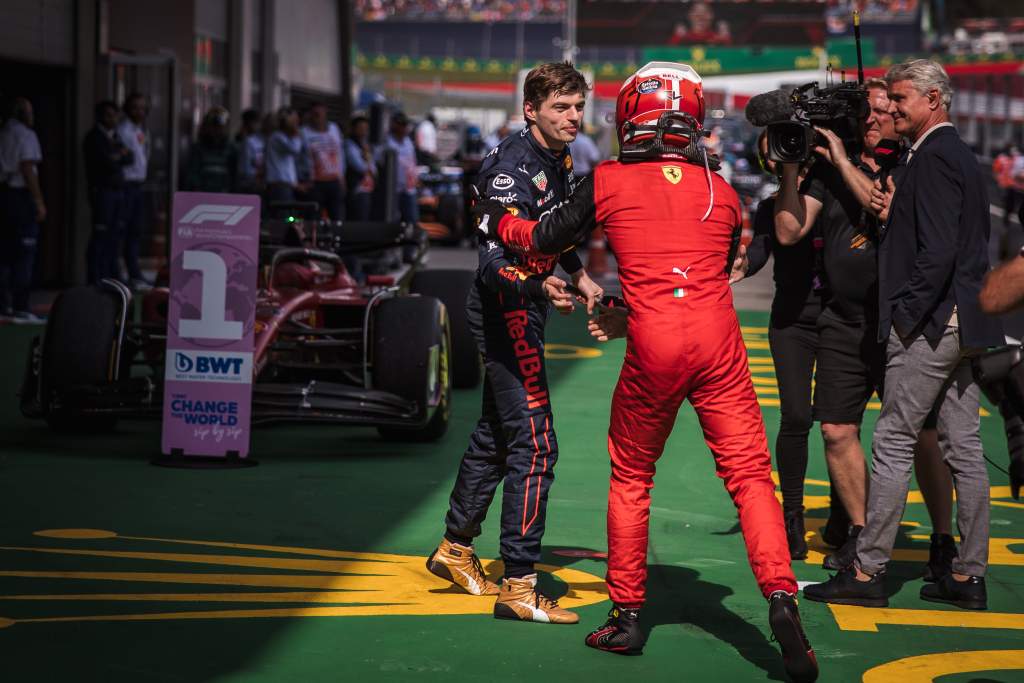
(541, 181)
(673, 174)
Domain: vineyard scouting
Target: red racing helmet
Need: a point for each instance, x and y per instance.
(660, 110)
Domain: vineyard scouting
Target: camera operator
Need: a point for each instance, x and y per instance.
(850, 362)
(932, 261)
(793, 339)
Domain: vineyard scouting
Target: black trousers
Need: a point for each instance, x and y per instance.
(330, 195)
(794, 345)
(514, 440)
(19, 239)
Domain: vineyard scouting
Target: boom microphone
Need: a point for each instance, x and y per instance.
(770, 107)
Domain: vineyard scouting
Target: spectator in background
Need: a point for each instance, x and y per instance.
(284, 147)
(426, 141)
(135, 137)
(406, 178)
(213, 158)
(499, 134)
(585, 154)
(105, 159)
(473, 148)
(361, 169)
(22, 209)
(323, 143)
(702, 29)
(251, 144)
(1002, 172)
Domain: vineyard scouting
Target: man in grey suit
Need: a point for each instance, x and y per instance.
(933, 257)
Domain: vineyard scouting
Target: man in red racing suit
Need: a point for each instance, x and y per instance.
(673, 226)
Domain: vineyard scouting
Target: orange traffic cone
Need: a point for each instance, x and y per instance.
(597, 254)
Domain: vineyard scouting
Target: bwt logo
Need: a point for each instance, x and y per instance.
(207, 365)
(227, 214)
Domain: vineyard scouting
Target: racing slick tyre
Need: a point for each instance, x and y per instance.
(452, 287)
(412, 359)
(79, 348)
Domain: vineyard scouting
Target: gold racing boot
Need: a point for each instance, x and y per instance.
(520, 600)
(460, 565)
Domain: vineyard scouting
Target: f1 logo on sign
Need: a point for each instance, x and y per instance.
(211, 312)
(227, 214)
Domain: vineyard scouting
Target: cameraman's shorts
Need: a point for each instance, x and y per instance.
(850, 368)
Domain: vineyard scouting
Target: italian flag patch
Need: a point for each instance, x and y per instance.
(678, 292)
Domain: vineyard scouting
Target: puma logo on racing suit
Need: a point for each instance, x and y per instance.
(530, 364)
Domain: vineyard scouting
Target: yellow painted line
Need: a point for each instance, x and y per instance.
(927, 668)
(1007, 504)
(850, 618)
(256, 580)
(764, 382)
(338, 567)
(341, 597)
(395, 584)
(999, 551)
(807, 481)
(755, 345)
(753, 330)
(768, 402)
(761, 360)
(570, 352)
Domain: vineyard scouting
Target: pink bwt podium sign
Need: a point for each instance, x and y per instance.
(210, 319)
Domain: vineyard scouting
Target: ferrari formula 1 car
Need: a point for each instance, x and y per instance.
(327, 348)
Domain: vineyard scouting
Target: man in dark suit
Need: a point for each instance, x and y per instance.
(933, 257)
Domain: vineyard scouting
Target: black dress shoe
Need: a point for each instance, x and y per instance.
(845, 556)
(797, 653)
(845, 589)
(969, 594)
(940, 557)
(795, 533)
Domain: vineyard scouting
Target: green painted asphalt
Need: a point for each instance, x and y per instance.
(346, 490)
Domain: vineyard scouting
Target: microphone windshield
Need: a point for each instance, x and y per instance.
(770, 107)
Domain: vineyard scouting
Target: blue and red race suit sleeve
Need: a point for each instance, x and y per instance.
(515, 271)
(561, 228)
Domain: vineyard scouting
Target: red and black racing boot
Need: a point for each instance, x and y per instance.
(797, 653)
(621, 634)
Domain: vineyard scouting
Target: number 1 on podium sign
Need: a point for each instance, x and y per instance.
(207, 409)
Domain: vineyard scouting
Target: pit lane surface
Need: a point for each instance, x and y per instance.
(310, 566)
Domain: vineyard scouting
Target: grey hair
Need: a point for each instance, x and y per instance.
(925, 75)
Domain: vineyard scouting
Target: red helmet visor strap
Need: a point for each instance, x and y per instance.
(676, 123)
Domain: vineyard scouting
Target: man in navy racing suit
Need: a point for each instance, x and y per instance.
(529, 173)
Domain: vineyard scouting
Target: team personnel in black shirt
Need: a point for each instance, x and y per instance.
(850, 361)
